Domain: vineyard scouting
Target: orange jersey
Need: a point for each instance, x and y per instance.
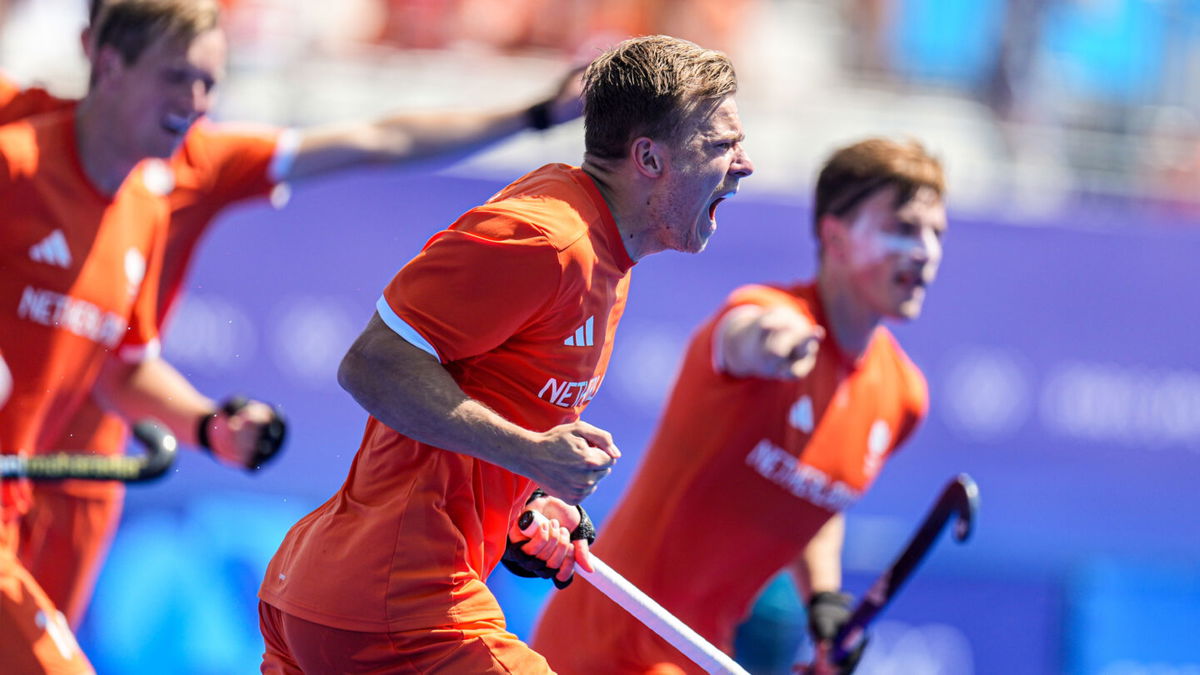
(741, 474)
(78, 274)
(216, 166)
(519, 300)
(17, 103)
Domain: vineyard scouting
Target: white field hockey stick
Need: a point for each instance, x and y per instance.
(650, 613)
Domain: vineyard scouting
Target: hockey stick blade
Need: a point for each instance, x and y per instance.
(960, 499)
(160, 447)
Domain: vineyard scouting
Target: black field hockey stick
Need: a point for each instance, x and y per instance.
(960, 498)
(159, 444)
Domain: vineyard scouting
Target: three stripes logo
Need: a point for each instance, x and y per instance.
(52, 250)
(583, 335)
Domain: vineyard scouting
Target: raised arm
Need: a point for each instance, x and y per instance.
(768, 342)
(447, 136)
(408, 390)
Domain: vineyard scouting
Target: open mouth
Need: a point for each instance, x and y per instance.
(910, 279)
(712, 208)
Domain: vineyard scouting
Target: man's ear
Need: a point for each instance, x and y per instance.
(647, 156)
(832, 232)
(85, 41)
(106, 63)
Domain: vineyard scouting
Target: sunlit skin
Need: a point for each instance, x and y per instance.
(879, 261)
(169, 88)
(144, 109)
(704, 170)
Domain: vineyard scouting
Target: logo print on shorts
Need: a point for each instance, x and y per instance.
(801, 415)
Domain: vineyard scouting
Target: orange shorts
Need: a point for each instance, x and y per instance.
(65, 538)
(36, 637)
(295, 646)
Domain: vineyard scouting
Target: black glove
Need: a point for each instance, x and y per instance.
(522, 564)
(827, 613)
(269, 441)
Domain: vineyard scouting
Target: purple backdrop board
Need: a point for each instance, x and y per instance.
(1062, 367)
(1061, 361)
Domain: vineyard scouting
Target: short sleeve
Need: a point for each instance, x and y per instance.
(467, 293)
(239, 159)
(18, 104)
(8, 91)
(766, 296)
(916, 400)
(756, 295)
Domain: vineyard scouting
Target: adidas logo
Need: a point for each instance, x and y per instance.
(52, 250)
(583, 335)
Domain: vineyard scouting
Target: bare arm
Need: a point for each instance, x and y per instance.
(154, 389)
(775, 342)
(819, 567)
(409, 391)
(403, 137)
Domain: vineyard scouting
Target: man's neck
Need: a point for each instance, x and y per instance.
(850, 321)
(629, 218)
(100, 154)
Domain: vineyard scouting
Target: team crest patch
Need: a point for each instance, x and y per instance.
(878, 440)
(135, 270)
(158, 177)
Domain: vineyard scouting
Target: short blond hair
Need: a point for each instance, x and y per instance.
(130, 26)
(648, 86)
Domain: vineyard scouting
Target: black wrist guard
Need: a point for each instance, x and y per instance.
(269, 441)
(522, 564)
(538, 116)
(202, 425)
(827, 613)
